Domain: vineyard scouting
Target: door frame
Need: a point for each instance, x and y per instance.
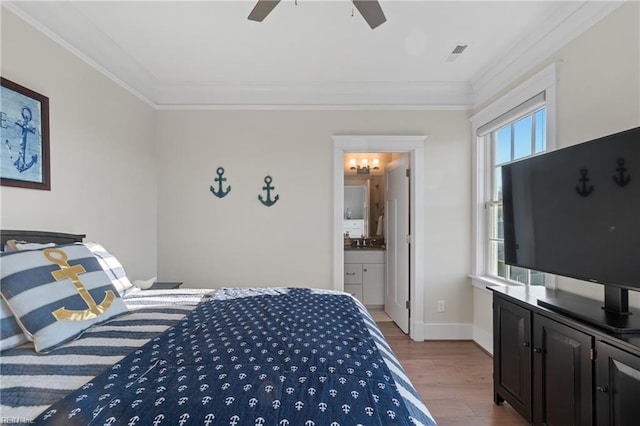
(414, 146)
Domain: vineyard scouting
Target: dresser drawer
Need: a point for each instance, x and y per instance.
(355, 290)
(353, 273)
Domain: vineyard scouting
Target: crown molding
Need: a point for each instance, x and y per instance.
(564, 26)
(65, 21)
(314, 95)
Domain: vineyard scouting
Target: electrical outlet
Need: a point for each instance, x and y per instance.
(440, 307)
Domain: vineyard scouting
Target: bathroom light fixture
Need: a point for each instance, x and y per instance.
(364, 168)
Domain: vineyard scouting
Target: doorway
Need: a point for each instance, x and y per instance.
(414, 147)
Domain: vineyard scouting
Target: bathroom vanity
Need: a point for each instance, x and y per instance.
(364, 274)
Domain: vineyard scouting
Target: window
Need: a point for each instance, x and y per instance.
(521, 138)
(520, 124)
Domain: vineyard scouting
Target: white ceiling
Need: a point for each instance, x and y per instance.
(313, 53)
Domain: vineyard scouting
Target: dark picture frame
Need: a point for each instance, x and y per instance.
(24, 137)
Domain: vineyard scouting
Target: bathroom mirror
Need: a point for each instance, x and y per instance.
(364, 201)
(364, 189)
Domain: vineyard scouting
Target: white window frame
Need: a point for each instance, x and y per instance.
(494, 116)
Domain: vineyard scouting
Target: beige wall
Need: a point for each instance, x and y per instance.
(103, 179)
(235, 241)
(598, 94)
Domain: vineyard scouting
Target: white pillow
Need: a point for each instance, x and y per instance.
(112, 267)
(57, 293)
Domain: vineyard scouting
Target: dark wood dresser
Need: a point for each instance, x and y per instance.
(557, 370)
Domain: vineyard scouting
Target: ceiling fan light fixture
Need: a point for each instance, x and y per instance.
(370, 10)
(262, 9)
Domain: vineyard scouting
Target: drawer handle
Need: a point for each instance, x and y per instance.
(525, 344)
(537, 350)
(351, 273)
(602, 389)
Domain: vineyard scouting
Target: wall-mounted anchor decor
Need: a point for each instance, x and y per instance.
(24, 132)
(268, 202)
(584, 180)
(220, 192)
(621, 179)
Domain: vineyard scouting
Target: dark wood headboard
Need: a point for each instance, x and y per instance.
(39, 237)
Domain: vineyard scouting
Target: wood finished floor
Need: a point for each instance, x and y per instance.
(454, 379)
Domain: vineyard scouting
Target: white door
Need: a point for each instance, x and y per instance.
(397, 224)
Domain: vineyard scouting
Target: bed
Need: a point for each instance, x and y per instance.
(254, 356)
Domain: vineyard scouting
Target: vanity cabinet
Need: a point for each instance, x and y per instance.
(364, 275)
(555, 370)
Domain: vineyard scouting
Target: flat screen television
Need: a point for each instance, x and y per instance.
(575, 212)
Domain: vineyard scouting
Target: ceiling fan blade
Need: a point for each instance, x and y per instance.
(262, 9)
(371, 12)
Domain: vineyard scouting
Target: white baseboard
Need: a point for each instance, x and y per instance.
(483, 338)
(435, 331)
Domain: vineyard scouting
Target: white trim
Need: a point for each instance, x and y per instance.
(65, 22)
(544, 81)
(483, 338)
(325, 95)
(62, 21)
(525, 108)
(140, 83)
(559, 29)
(414, 145)
(454, 331)
(317, 107)
(482, 281)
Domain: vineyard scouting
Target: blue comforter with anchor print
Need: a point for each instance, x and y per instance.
(292, 357)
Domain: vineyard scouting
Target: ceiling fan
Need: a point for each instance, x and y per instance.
(369, 9)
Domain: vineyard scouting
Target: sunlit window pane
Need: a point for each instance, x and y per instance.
(519, 139)
(497, 222)
(500, 225)
(522, 137)
(541, 130)
(503, 145)
(497, 191)
(502, 270)
(518, 274)
(497, 267)
(493, 258)
(536, 278)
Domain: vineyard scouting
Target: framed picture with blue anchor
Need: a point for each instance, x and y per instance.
(24, 137)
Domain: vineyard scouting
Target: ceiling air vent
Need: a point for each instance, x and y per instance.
(456, 52)
(458, 49)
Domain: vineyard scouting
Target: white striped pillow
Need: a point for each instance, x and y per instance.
(42, 289)
(11, 334)
(112, 267)
(109, 263)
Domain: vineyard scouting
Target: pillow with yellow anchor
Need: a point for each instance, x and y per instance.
(57, 293)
